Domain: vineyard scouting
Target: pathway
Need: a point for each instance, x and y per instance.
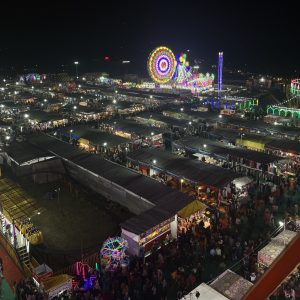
(11, 274)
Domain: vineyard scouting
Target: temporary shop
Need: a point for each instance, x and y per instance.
(242, 185)
(267, 255)
(56, 285)
(193, 214)
(17, 208)
(40, 273)
(86, 145)
(142, 234)
(231, 285)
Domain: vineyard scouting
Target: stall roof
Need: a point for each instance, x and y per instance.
(221, 149)
(152, 117)
(271, 251)
(286, 145)
(231, 285)
(42, 116)
(181, 167)
(23, 153)
(95, 136)
(56, 281)
(233, 135)
(166, 198)
(132, 126)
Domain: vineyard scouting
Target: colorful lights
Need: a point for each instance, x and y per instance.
(163, 68)
(284, 111)
(220, 71)
(295, 87)
(113, 252)
(33, 77)
(161, 64)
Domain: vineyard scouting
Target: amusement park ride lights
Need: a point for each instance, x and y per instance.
(164, 68)
(295, 87)
(113, 252)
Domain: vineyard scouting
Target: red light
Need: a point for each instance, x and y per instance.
(106, 58)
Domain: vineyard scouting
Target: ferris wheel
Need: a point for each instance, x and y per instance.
(161, 65)
(113, 251)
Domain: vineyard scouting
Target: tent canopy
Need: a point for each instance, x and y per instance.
(242, 181)
(191, 208)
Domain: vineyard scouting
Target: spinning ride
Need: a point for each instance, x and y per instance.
(164, 68)
(295, 87)
(161, 64)
(113, 252)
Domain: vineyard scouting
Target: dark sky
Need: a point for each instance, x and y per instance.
(263, 36)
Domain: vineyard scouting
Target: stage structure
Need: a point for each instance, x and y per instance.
(168, 71)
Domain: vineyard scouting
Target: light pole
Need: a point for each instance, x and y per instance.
(199, 188)
(181, 182)
(58, 200)
(71, 130)
(76, 63)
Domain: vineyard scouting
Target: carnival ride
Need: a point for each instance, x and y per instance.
(31, 77)
(164, 68)
(295, 87)
(113, 252)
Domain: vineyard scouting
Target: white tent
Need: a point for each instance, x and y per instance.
(242, 181)
(205, 293)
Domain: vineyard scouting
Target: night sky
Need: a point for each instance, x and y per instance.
(258, 37)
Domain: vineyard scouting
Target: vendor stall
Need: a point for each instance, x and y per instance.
(285, 237)
(231, 285)
(193, 214)
(17, 209)
(41, 273)
(142, 236)
(56, 285)
(268, 254)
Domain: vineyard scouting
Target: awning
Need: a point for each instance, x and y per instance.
(192, 208)
(83, 141)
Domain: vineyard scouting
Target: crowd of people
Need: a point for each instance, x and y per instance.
(290, 289)
(199, 254)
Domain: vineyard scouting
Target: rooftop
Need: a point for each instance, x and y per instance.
(193, 170)
(221, 149)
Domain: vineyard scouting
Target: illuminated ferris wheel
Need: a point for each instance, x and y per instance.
(161, 65)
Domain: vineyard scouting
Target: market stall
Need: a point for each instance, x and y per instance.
(231, 285)
(142, 234)
(17, 209)
(269, 253)
(56, 285)
(192, 214)
(41, 272)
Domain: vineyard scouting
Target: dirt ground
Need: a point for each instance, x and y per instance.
(73, 224)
